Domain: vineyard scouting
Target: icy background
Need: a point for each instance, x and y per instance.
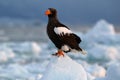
(30, 60)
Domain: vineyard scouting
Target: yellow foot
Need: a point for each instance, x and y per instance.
(59, 53)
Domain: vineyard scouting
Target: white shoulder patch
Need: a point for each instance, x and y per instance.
(62, 30)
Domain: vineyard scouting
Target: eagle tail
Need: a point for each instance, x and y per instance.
(78, 49)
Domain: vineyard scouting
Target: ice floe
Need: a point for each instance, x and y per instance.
(64, 68)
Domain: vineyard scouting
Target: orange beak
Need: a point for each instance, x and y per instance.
(47, 12)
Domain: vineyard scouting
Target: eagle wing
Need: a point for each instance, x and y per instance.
(66, 35)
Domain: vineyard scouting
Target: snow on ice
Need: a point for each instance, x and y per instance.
(101, 42)
(64, 68)
(102, 32)
(113, 72)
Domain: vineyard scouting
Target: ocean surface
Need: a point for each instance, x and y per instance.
(25, 50)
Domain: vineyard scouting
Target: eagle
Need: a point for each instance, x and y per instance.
(62, 37)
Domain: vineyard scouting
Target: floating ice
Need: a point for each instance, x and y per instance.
(103, 28)
(113, 72)
(100, 42)
(64, 68)
(6, 54)
(103, 53)
(102, 32)
(96, 70)
(90, 77)
(13, 71)
(26, 47)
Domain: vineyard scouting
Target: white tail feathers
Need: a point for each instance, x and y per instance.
(83, 51)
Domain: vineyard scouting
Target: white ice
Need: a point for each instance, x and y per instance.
(64, 68)
(113, 73)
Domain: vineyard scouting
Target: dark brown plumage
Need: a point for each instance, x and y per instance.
(63, 38)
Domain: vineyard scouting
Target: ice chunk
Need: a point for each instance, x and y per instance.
(104, 53)
(103, 27)
(102, 32)
(6, 54)
(64, 68)
(90, 77)
(96, 70)
(113, 72)
(26, 47)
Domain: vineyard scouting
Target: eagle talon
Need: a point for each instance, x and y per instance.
(54, 54)
(59, 53)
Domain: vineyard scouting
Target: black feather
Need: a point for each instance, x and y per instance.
(70, 39)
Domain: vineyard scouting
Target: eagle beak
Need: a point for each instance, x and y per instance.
(47, 12)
